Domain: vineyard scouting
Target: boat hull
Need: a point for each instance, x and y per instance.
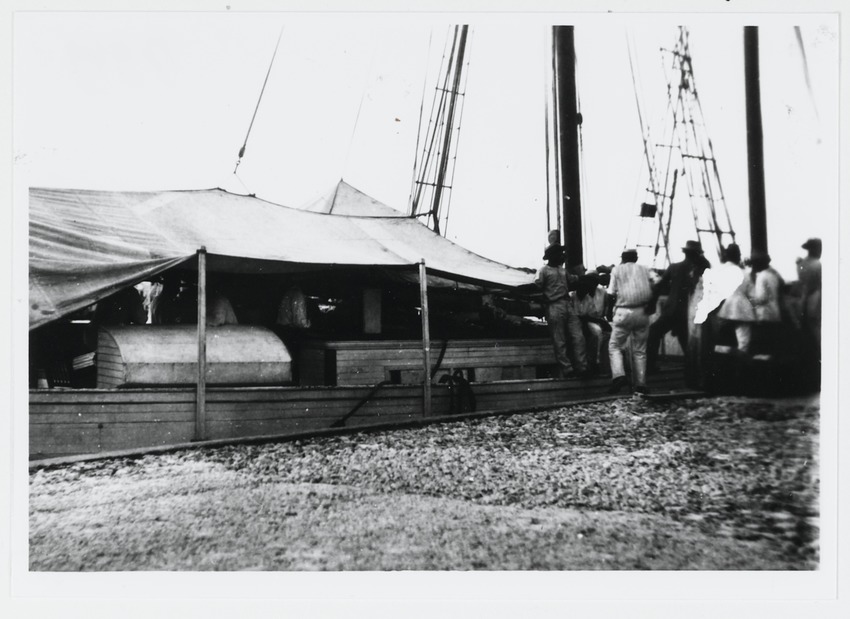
(90, 421)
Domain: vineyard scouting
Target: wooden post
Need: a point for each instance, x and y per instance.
(426, 340)
(201, 397)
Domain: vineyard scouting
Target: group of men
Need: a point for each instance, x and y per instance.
(586, 314)
(581, 311)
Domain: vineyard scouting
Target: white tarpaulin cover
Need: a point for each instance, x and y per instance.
(85, 245)
(344, 199)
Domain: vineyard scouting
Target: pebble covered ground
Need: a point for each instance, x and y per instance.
(721, 483)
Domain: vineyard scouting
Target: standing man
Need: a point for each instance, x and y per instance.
(736, 308)
(809, 274)
(590, 304)
(765, 294)
(678, 282)
(564, 325)
(631, 288)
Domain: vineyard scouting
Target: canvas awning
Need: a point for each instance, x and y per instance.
(344, 199)
(86, 245)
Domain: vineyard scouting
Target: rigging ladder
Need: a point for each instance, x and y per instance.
(684, 155)
(434, 168)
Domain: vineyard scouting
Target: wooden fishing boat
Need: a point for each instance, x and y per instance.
(165, 384)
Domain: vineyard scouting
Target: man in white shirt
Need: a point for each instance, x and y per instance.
(765, 294)
(631, 288)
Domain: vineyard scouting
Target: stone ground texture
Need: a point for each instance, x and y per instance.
(703, 484)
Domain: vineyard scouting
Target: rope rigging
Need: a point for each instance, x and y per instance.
(434, 169)
(587, 222)
(432, 132)
(260, 98)
(799, 36)
(413, 186)
(359, 109)
(456, 142)
(687, 152)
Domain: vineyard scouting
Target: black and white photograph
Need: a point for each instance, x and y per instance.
(455, 311)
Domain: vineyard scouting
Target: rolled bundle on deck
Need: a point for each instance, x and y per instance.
(168, 355)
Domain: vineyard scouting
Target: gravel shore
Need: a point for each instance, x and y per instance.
(721, 483)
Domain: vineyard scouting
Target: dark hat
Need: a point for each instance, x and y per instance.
(813, 243)
(553, 250)
(591, 278)
(628, 253)
(692, 247)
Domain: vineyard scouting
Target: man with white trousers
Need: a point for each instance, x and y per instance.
(631, 288)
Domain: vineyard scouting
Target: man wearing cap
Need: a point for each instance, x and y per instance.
(564, 325)
(631, 289)
(678, 282)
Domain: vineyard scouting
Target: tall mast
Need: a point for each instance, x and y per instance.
(755, 141)
(567, 123)
(433, 169)
(447, 138)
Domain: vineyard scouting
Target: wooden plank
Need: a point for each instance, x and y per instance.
(86, 438)
(496, 358)
(301, 393)
(341, 345)
(388, 353)
(238, 428)
(136, 414)
(129, 407)
(318, 404)
(318, 412)
(101, 396)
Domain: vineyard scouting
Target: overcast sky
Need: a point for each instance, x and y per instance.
(148, 101)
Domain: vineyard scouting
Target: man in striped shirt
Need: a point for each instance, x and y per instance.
(631, 288)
